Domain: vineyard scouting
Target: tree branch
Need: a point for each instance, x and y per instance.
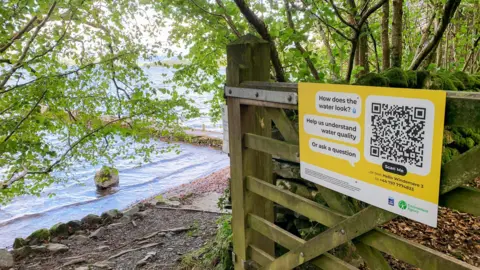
(19, 34)
(262, 30)
(27, 47)
(299, 47)
(24, 118)
(337, 12)
(369, 12)
(448, 12)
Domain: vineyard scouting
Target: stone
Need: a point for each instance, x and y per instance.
(78, 238)
(113, 214)
(81, 232)
(39, 237)
(82, 268)
(106, 177)
(142, 215)
(20, 253)
(131, 211)
(141, 206)
(150, 255)
(98, 233)
(91, 220)
(6, 259)
(286, 170)
(103, 265)
(57, 248)
(114, 226)
(102, 248)
(19, 242)
(59, 229)
(125, 219)
(74, 225)
(39, 249)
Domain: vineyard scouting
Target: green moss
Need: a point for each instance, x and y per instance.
(448, 154)
(467, 80)
(411, 78)
(396, 77)
(423, 77)
(41, 235)
(442, 82)
(19, 242)
(106, 172)
(372, 79)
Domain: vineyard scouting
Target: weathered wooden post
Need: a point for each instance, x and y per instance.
(248, 59)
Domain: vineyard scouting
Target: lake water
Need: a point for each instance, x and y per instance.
(75, 199)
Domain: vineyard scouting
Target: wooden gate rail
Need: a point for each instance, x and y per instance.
(253, 105)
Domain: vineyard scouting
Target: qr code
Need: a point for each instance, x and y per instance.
(398, 133)
(399, 130)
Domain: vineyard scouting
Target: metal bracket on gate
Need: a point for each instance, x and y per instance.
(262, 95)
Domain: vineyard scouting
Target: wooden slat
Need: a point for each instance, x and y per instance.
(267, 104)
(295, 202)
(259, 256)
(464, 199)
(271, 146)
(284, 125)
(411, 252)
(329, 218)
(373, 258)
(352, 227)
(460, 170)
(237, 184)
(290, 241)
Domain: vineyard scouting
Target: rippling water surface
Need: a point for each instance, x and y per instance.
(77, 198)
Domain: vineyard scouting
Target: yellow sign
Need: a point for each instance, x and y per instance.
(380, 145)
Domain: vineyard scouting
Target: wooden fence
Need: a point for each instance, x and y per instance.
(253, 105)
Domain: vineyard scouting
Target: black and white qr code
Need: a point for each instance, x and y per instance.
(398, 133)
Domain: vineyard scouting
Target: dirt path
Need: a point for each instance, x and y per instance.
(147, 236)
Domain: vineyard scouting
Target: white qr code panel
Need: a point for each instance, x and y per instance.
(399, 131)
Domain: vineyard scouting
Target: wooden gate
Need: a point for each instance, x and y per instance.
(253, 105)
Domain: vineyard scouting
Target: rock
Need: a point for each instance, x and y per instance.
(146, 259)
(114, 226)
(57, 248)
(39, 249)
(59, 229)
(91, 220)
(113, 214)
(141, 206)
(81, 232)
(98, 233)
(78, 238)
(103, 265)
(125, 219)
(106, 177)
(82, 268)
(39, 237)
(74, 226)
(174, 198)
(102, 248)
(142, 215)
(19, 242)
(286, 170)
(131, 211)
(20, 253)
(6, 259)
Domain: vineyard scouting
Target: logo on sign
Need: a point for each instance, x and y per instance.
(391, 201)
(402, 204)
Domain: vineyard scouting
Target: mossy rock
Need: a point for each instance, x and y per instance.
(372, 79)
(467, 80)
(423, 77)
(411, 78)
(449, 153)
(106, 177)
(396, 77)
(38, 237)
(442, 82)
(59, 229)
(19, 243)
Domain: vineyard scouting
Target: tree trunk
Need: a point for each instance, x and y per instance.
(448, 12)
(262, 30)
(397, 25)
(470, 55)
(363, 52)
(333, 64)
(385, 38)
(425, 34)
